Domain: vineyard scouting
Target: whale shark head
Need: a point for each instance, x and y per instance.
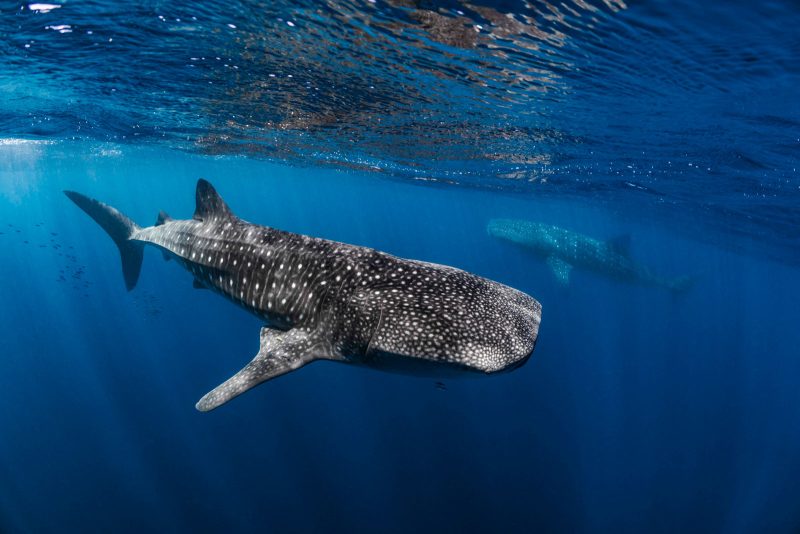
(541, 238)
(446, 316)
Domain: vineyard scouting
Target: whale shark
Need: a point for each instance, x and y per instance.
(564, 249)
(325, 300)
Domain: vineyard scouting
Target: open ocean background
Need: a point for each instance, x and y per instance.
(405, 126)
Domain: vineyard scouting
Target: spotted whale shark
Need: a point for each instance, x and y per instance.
(564, 249)
(324, 300)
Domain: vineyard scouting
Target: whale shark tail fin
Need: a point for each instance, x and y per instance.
(120, 228)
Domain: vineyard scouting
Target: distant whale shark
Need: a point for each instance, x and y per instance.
(563, 249)
(323, 300)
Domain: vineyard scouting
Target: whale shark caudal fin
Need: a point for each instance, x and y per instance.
(560, 268)
(209, 204)
(120, 228)
(280, 353)
(620, 244)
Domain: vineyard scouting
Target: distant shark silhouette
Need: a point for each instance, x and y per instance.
(323, 300)
(563, 249)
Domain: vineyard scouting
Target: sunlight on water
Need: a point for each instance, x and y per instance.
(520, 96)
(43, 8)
(20, 168)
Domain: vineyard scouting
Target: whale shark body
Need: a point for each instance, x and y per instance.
(323, 300)
(563, 249)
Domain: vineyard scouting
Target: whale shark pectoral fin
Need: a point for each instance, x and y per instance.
(560, 268)
(280, 353)
(620, 244)
(197, 284)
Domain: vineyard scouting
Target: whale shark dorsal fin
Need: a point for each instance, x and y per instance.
(162, 218)
(620, 244)
(209, 203)
(560, 268)
(280, 353)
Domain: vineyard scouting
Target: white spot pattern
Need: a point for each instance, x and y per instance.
(371, 306)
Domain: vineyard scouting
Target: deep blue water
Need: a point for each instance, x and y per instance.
(405, 126)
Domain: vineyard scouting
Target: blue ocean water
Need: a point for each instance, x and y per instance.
(405, 126)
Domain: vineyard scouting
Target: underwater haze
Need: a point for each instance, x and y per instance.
(659, 139)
